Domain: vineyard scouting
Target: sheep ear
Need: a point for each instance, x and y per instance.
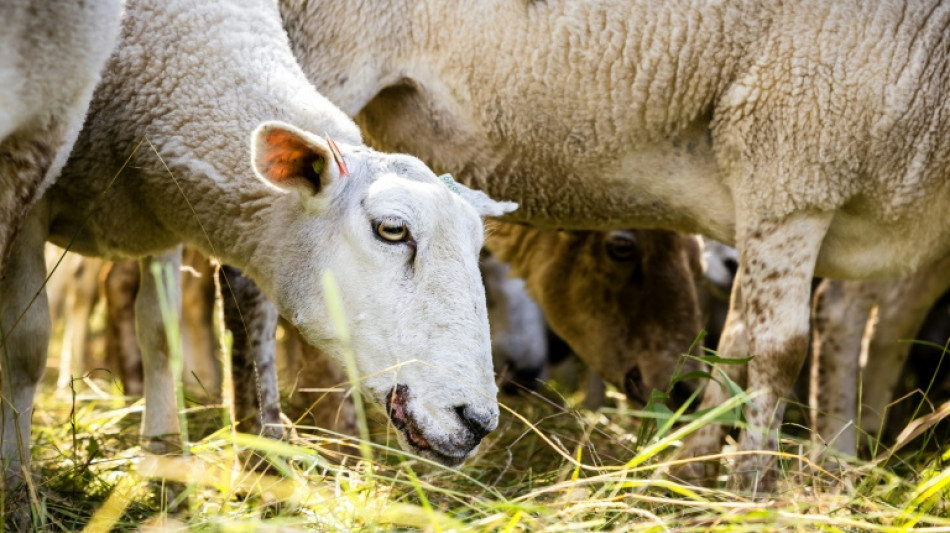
(484, 205)
(292, 159)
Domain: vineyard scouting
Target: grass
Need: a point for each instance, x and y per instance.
(549, 467)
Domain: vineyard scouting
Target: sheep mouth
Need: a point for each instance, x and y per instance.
(405, 423)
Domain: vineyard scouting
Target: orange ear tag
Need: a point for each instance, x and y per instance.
(338, 157)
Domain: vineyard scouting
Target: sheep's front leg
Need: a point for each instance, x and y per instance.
(252, 320)
(777, 265)
(26, 330)
(160, 426)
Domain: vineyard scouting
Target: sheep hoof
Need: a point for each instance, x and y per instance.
(163, 444)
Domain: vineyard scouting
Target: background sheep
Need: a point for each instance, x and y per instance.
(791, 131)
(625, 301)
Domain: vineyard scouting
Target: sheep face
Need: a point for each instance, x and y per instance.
(402, 246)
(625, 301)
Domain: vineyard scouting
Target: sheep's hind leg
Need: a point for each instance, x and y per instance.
(160, 428)
(839, 319)
(903, 311)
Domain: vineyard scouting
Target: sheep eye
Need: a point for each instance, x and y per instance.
(622, 246)
(392, 230)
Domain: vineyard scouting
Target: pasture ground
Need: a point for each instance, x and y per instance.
(549, 467)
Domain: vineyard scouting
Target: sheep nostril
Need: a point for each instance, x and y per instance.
(479, 423)
(732, 265)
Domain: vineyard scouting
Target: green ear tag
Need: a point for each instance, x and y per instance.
(449, 182)
(318, 165)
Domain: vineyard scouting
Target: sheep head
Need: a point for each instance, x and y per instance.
(403, 249)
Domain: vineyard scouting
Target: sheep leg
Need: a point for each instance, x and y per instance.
(160, 427)
(122, 347)
(252, 320)
(839, 320)
(202, 366)
(903, 309)
(26, 329)
(777, 263)
(707, 440)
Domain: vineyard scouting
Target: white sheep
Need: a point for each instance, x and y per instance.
(792, 130)
(191, 81)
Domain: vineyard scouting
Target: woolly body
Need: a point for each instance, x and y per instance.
(635, 114)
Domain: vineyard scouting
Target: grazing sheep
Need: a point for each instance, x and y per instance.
(51, 55)
(193, 82)
(791, 130)
(625, 301)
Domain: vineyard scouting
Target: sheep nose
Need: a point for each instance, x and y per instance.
(480, 423)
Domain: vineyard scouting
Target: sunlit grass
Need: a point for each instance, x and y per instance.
(549, 467)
